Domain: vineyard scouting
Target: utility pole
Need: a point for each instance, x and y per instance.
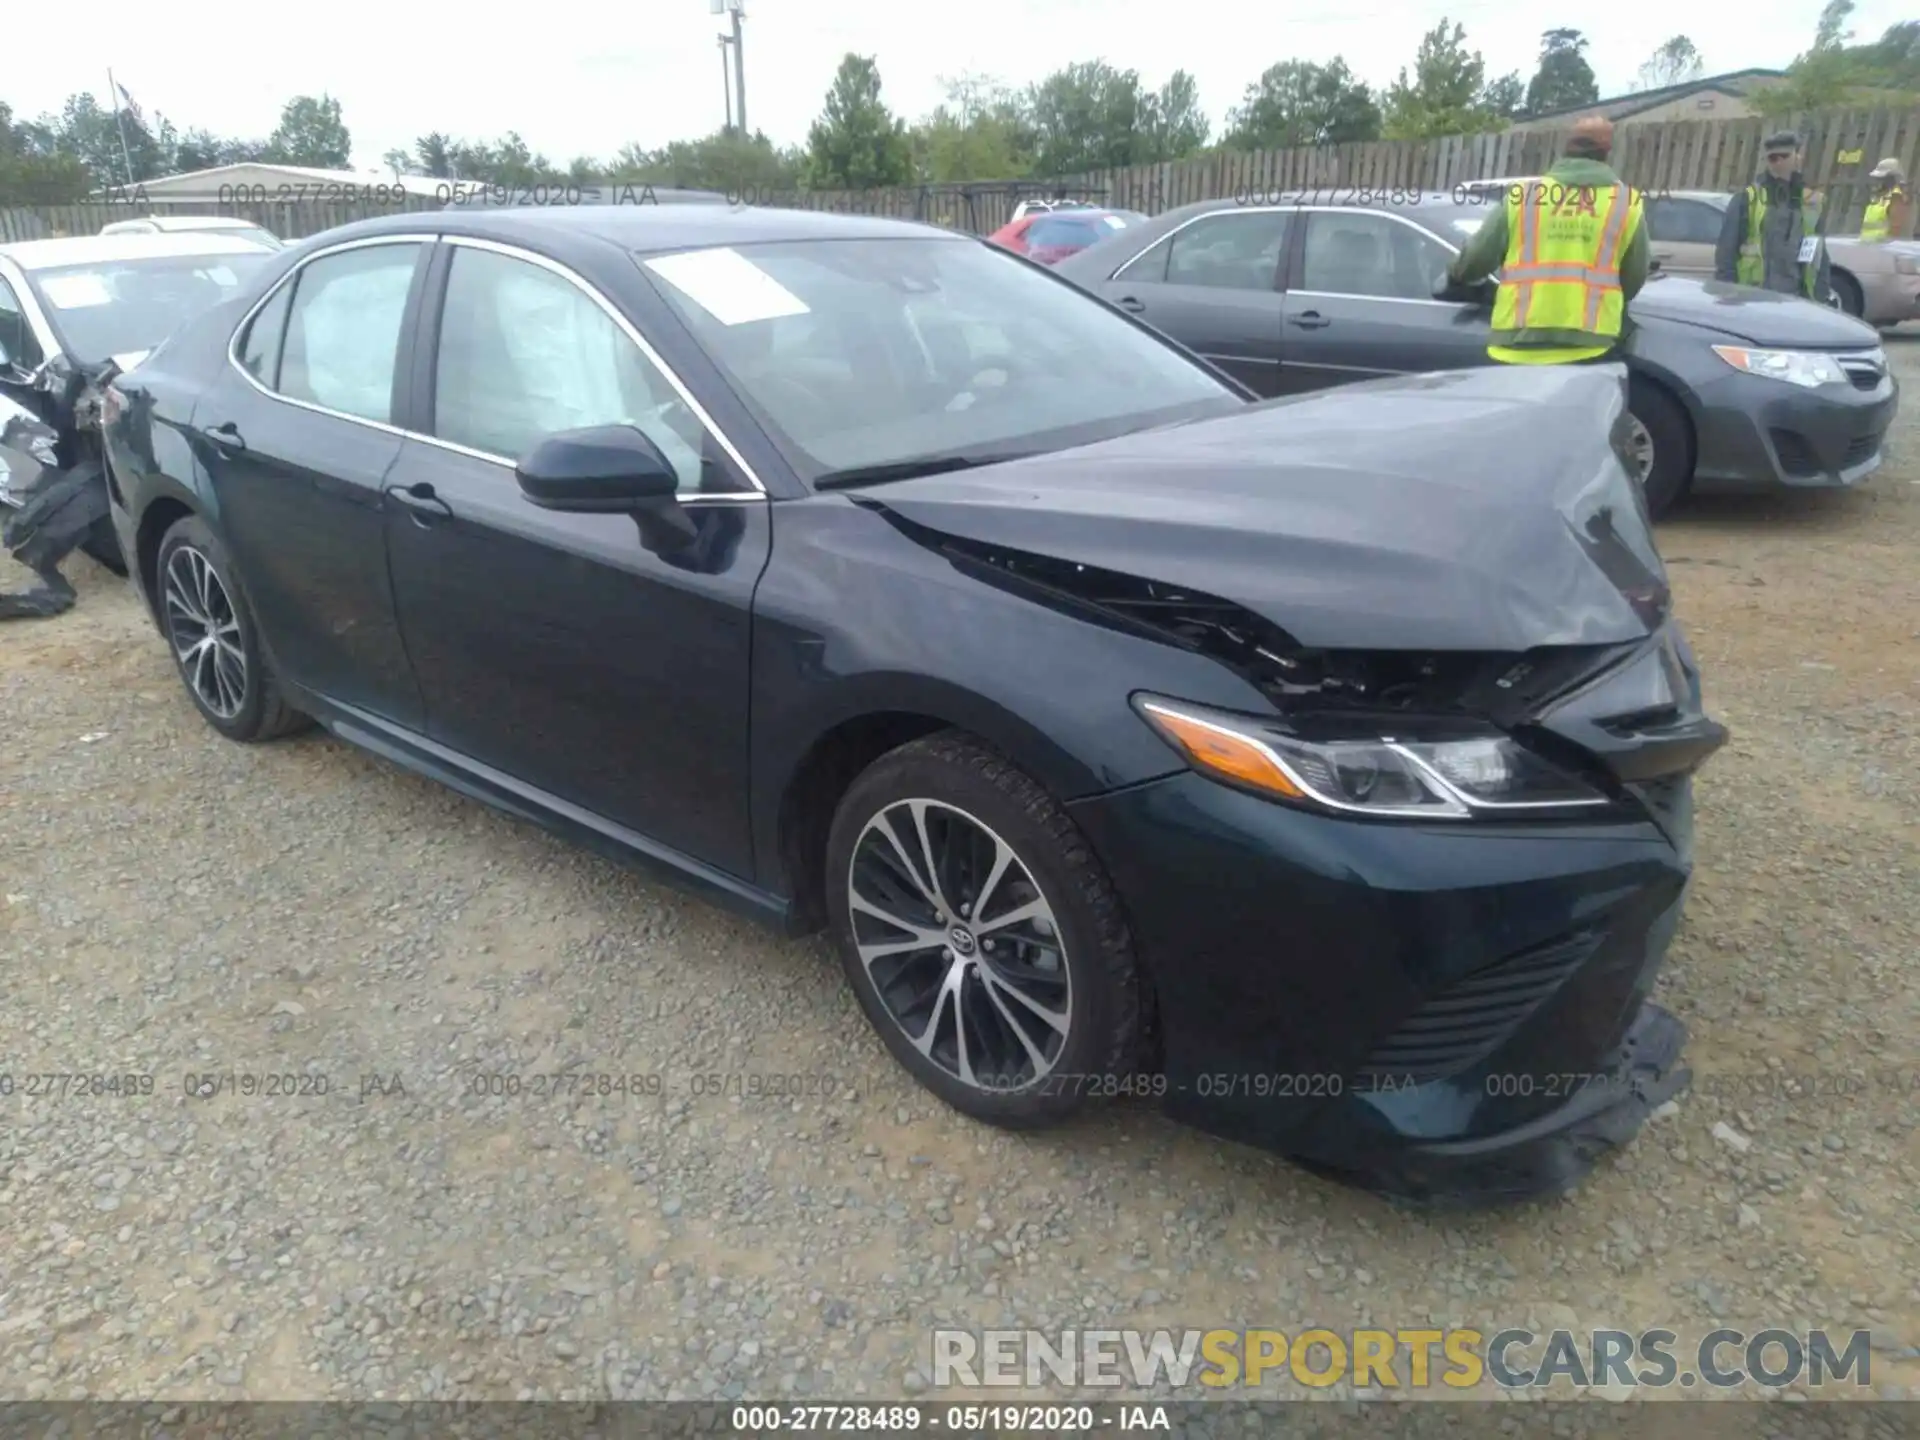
(737, 101)
(738, 8)
(726, 82)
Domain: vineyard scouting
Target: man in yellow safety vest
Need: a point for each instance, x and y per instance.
(1570, 250)
(1890, 209)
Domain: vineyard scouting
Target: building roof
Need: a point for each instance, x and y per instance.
(1619, 107)
(110, 249)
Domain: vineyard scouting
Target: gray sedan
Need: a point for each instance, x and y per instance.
(1731, 387)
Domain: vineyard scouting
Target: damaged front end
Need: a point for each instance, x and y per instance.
(1404, 922)
(53, 488)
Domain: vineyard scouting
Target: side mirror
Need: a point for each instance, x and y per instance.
(603, 469)
(1653, 267)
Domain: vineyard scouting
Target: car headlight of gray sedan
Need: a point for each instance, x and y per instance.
(1808, 368)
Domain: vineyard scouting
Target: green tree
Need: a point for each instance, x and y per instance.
(1505, 98)
(1299, 103)
(196, 149)
(1442, 95)
(857, 142)
(103, 142)
(1674, 63)
(1086, 117)
(1173, 124)
(434, 151)
(979, 132)
(311, 132)
(1564, 78)
(32, 170)
(1835, 73)
(726, 161)
(399, 162)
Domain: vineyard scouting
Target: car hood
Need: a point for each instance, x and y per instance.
(1484, 510)
(1760, 317)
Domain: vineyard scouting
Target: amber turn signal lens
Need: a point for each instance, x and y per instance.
(1222, 752)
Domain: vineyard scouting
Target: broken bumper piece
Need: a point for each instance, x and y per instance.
(1552, 1153)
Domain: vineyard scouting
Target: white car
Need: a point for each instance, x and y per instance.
(73, 308)
(200, 224)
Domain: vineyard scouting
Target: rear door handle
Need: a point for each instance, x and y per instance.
(226, 438)
(422, 502)
(1128, 302)
(1309, 320)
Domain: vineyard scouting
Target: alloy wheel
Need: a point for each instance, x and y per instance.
(960, 945)
(1639, 448)
(205, 632)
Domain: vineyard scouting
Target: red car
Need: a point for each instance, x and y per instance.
(1049, 236)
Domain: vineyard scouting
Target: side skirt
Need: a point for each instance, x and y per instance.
(572, 822)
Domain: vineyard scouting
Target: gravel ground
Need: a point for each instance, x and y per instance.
(177, 905)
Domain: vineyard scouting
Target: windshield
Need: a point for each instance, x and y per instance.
(119, 306)
(861, 353)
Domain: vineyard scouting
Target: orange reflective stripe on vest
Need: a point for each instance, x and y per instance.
(1568, 280)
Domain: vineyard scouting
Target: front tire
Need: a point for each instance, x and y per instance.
(215, 639)
(981, 936)
(1668, 438)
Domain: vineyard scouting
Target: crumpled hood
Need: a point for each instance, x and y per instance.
(1760, 317)
(1476, 510)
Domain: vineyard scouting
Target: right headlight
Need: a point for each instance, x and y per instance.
(1379, 775)
(1807, 368)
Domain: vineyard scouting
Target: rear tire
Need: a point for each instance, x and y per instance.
(1672, 436)
(215, 640)
(1044, 1013)
(1847, 296)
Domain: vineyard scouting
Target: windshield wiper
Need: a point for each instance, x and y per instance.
(908, 469)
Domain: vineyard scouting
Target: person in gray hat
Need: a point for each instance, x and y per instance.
(1771, 235)
(1889, 209)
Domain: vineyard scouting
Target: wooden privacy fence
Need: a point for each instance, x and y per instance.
(1841, 147)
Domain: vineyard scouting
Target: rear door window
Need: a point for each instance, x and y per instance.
(343, 331)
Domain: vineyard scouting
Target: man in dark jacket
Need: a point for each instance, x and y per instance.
(1770, 236)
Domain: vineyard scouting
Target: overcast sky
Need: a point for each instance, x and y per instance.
(585, 77)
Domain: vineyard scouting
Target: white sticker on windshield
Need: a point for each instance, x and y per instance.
(1809, 247)
(727, 285)
(75, 292)
(1114, 222)
(222, 276)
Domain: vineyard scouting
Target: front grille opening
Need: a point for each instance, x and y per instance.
(1796, 455)
(1473, 1017)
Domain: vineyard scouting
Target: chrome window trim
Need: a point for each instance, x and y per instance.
(16, 277)
(515, 252)
(239, 329)
(759, 492)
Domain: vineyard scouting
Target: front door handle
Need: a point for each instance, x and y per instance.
(1309, 320)
(226, 438)
(1129, 302)
(422, 502)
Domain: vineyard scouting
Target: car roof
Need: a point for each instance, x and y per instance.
(644, 227)
(201, 223)
(107, 249)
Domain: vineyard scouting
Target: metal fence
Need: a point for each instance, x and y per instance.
(1841, 147)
